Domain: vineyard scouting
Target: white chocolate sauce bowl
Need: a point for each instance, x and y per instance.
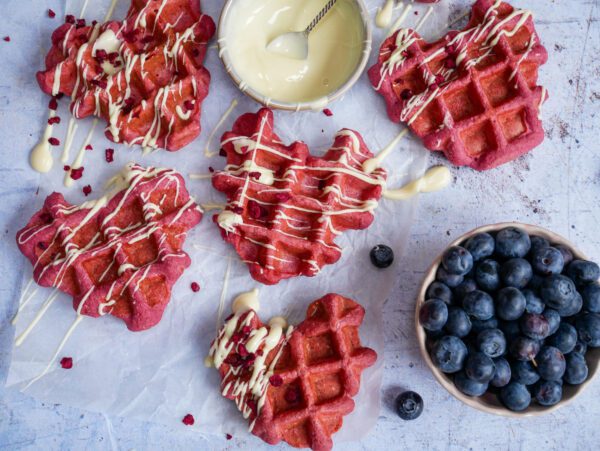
(293, 95)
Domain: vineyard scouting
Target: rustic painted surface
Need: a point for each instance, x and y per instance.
(557, 186)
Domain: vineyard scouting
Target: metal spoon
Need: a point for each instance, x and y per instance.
(295, 44)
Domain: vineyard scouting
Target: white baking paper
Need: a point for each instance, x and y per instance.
(158, 375)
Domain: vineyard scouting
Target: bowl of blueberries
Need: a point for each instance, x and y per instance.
(508, 319)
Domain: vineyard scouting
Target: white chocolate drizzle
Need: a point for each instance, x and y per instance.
(436, 178)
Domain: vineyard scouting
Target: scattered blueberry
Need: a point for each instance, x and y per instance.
(487, 275)
(566, 253)
(553, 319)
(515, 396)
(479, 305)
(465, 287)
(457, 260)
(439, 290)
(573, 306)
(588, 329)
(591, 297)
(510, 303)
(512, 242)
(480, 246)
(458, 323)
(409, 405)
(491, 342)
(565, 338)
(551, 363)
(382, 256)
(524, 348)
(479, 367)
(433, 314)
(533, 302)
(477, 325)
(534, 325)
(468, 386)
(537, 243)
(449, 354)
(452, 280)
(548, 260)
(524, 372)
(502, 373)
(583, 272)
(577, 369)
(516, 272)
(557, 290)
(548, 393)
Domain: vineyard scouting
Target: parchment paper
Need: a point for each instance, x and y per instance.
(158, 375)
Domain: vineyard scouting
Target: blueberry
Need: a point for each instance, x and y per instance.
(588, 329)
(515, 396)
(553, 319)
(487, 275)
(478, 325)
(548, 260)
(439, 290)
(457, 260)
(548, 393)
(510, 329)
(512, 242)
(479, 367)
(591, 297)
(534, 325)
(524, 372)
(491, 342)
(433, 314)
(502, 374)
(465, 287)
(566, 253)
(580, 348)
(583, 272)
(468, 386)
(577, 369)
(564, 339)
(382, 256)
(516, 272)
(551, 363)
(538, 242)
(480, 246)
(449, 354)
(458, 322)
(409, 405)
(479, 305)
(452, 280)
(573, 306)
(510, 303)
(524, 348)
(557, 290)
(533, 302)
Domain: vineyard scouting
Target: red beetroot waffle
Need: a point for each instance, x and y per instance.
(285, 207)
(473, 94)
(298, 385)
(144, 75)
(118, 255)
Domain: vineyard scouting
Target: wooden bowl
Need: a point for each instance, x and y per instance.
(489, 402)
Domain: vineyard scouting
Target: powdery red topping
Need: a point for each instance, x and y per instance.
(318, 371)
(474, 99)
(290, 205)
(121, 257)
(137, 89)
(188, 420)
(66, 363)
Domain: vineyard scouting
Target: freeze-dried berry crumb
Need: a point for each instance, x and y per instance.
(54, 120)
(228, 436)
(188, 420)
(87, 189)
(66, 363)
(54, 141)
(211, 169)
(70, 18)
(109, 155)
(77, 173)
(89, 147)
(292, 395)
(53, 104)
(66, 167)
(327, 112)
(51, 14)
(276, 380)
(6, 38)
(195, 287)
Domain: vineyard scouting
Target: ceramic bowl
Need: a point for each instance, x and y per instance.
(293, 106)
(489, 402)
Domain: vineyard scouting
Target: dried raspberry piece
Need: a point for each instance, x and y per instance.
(66, 363)
(89, 147)
(233, 360)
(53, 104)
(147, 39)
(109, 155)
(188, 105)
(449, 63)
(228, 436)
(188, 420)
(70, 18)
(242, 351)
(66, 167)
(77, 173)
(101, 55)
(276, 380)
(54, 120)
(291, 395)
(51, 14)
(54, 141)
(211, 169)
(80, 23)
(236, 338)
(246, 330)
(6, 38)
(87, 190)
(327, 112)
(195, 287)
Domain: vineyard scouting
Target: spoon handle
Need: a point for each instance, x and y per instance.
(319, 16)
